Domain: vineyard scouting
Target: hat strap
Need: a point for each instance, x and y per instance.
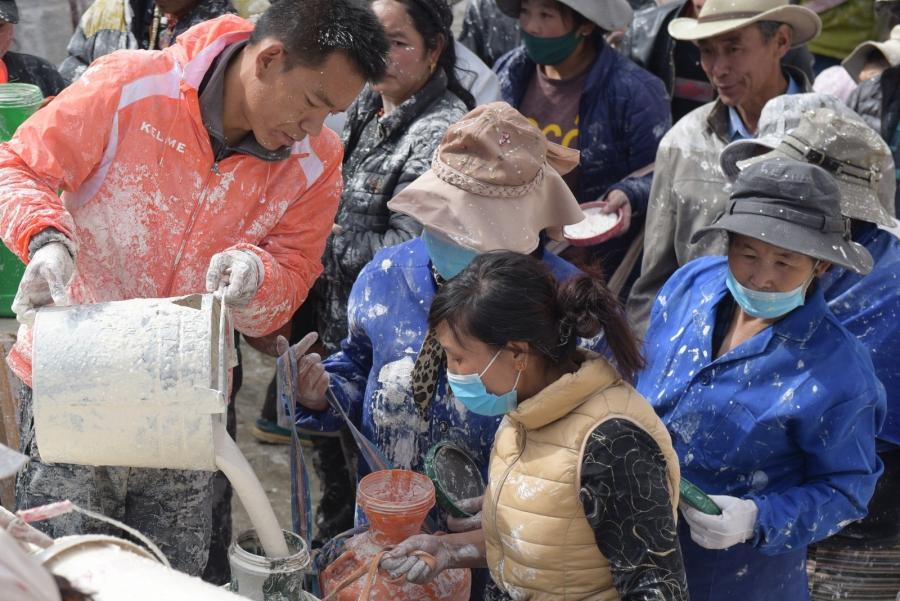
(738, 14)
(830, 164)
(823, 223)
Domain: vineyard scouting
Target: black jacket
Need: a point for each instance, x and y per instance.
(878, 102)
(381, 157)
(25, 68)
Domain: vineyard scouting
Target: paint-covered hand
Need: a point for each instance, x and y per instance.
(240, 271)
(735, 525)
(467, 524)
(617, 200)
(313, 379)
(419, 558)
(44, 281)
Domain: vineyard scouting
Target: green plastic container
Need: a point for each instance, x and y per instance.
(698, 499)
(17, 102)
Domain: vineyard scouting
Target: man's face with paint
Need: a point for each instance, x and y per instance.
(741, 64)
(286, 102)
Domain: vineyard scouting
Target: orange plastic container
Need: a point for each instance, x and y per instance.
(395, 503)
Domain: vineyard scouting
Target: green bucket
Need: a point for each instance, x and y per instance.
(17, 102)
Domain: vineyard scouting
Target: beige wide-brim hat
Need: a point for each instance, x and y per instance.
(495, 183)
(608, 14)
(890, 48)
(722, 16)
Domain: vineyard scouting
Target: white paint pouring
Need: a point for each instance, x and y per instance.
(234, 465)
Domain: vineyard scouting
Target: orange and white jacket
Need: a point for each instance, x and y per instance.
(143, 199)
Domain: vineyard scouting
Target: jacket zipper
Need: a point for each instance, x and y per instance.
(496, 500)
(190, 228)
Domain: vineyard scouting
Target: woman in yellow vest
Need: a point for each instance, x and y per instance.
(583, 481)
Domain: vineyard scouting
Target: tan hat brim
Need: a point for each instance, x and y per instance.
(486, 223)
(855, 62)
(804, 22)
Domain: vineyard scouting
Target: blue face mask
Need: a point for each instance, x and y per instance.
(767, 305)
(448, 258)
(469, 389)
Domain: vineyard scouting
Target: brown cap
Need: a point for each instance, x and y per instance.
(495, 183)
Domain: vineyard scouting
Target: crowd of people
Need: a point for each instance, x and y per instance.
(394, 202)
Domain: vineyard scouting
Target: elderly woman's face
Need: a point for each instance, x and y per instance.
(767, 268)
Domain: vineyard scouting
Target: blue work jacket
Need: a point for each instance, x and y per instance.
(788, 419)
(371, 374)
(870, 308)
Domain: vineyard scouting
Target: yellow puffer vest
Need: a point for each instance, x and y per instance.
(540, 545)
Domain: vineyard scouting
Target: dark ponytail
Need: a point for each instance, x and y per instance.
(504, 296)
(433, 19)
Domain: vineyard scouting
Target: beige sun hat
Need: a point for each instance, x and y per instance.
(721, 16)
(835, 139)
(495, 183)
(608, 14)
(890, 48)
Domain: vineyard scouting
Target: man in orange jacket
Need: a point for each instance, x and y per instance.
(201, 166)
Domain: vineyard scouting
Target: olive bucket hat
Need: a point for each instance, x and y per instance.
(831, 136)
(795, 206)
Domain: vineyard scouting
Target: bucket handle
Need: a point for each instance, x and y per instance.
(223, 347)
(43, 512)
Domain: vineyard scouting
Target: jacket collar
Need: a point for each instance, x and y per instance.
(369, 104)
(799, 325)
(719, 120)
(567, 393)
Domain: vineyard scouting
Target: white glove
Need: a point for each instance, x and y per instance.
(735, 525)
(240, 270)
(44, 281)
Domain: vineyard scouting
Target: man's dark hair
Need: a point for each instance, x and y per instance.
(768, 29)
(313, 29)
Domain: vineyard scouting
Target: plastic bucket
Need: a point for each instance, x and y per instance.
(138, 383)
(113, 569)
(17, 102)
(257, 577)
(395, 503)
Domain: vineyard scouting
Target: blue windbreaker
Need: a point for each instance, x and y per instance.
(869, 307)
(370, 376)
(787, 419)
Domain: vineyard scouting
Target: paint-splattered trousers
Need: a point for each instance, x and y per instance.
(172, 507)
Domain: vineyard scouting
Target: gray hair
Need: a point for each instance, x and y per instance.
(768, 29)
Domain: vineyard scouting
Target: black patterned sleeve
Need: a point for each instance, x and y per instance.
(625, 495)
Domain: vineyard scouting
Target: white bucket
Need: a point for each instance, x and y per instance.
(260, 578)
(137, 383)
(113, 569)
